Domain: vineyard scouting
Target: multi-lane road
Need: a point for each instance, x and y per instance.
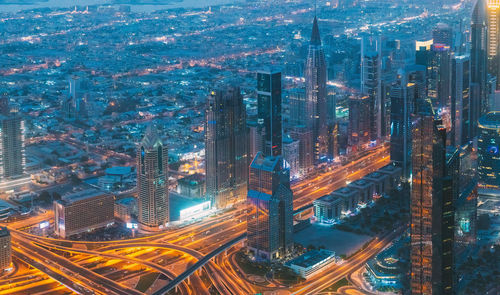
(202, 238)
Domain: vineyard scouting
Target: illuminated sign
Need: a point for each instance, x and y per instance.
(44, 224)
(132, 225)
(196, 209)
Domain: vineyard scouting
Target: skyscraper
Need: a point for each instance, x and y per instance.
(488, 149)
(270, 214)
(316, 107)
(152, 181)
(461, 108)
(226, 147)
(359, 121)
(402, 97)
(12, 153)
(371, 75)
(5, 249)
(431, 208)
(269, 111)
(74, 104)
(493, 15)
(443, 34)
(479, 59)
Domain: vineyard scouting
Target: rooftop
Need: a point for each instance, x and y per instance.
(311, 258)
(490, 121)
(81, 195)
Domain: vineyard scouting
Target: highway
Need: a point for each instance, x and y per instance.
(203, 239)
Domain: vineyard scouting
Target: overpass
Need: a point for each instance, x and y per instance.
(199, 264)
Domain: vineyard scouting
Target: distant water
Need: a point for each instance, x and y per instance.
(135, 7)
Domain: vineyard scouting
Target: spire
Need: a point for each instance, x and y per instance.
(151, 137)
(315, 38)
(479, 13)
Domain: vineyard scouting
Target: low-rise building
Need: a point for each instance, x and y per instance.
(83, 211)
(395, 174)
(328, 208)
(192, 186)
(126, 209)
(5, 249)
(365, 189)
(311, 263)
(349, 196)
(381, 182)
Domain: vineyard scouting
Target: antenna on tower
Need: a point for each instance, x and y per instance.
(315, 7)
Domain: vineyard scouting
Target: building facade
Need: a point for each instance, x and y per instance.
(489, 149)
(5, 249)
(270, 213)
(316, 107)
(152, 181)
(83, 211)
(269, 111)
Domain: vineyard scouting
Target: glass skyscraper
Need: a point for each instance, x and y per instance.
(489, 149)
(269, 111)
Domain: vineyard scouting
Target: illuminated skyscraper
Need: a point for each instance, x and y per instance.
(493, 13)
(316, 107)
(431, 208)
(152, 181)
(359, 121)
(403, 95)
(269, 111)
(489, 149)
(462, 110)
(5, 249)
(479, 58)
(12, 153)
(270, 212)
(371, 83)
(226, 147)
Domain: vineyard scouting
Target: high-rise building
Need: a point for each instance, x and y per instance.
(461, 105)
(488, 149)
(12, 153)
(437, 60)
(479, 57)
(304, 136)
(83, 211)
(291, 151)
(431, 207)
(73, 106)
(443, 34)
(5, 249)
(402, 96)
(493, 15)
(269, 110)
(316, 107)
(359, 121)
(270, 213)
(226, 145)
(297, 105)
(152, 181)
(371, 83)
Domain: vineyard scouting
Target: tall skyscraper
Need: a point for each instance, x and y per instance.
(371, 82)
(152, 181)
(402, 96)
(5, 249)
(270, 213)
(431, 205)
(488, 149)
(443, 34)
(316, 107)
(269, 111)
(359, 121)
(493, 15)
(461, 105)
(12, 153)
(306, 158)
(226, 147)
(297, 105)
(479, 59)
